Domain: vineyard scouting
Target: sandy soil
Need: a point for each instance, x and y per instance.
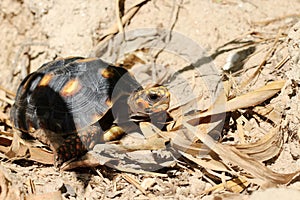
(35, 32)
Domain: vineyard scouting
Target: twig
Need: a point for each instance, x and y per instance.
(264, 61)
(115, 28)
(173, 20)
(267, 22)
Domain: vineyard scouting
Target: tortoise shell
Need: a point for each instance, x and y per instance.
(68, 95)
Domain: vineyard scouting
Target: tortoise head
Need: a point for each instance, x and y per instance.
(149, 101)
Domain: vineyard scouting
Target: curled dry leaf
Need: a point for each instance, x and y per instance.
(20, 149)
(266, 148)
(17, 149)
(229, 154)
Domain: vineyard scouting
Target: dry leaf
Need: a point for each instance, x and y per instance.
(269, 112)
(255, 97)
(41, 155)
(196, 152)
(261, 174)
(266, 148)
(20, 149)
(138, 142)
(17, 148)
(244, 101)
(115, 156)
(7, 190)
(207, 163)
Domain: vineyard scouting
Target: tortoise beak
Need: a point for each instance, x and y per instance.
(138, 117)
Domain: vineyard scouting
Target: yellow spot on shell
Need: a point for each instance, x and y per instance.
(107, 73)
(71, 87)
(96, 117)
(46, 80)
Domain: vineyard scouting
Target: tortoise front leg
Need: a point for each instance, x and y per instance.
(75, 146)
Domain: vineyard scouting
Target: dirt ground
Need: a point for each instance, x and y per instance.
(35, 32)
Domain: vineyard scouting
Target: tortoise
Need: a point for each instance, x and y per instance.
(73, 103)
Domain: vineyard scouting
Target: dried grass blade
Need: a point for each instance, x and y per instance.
(255, 97)
(249, 99)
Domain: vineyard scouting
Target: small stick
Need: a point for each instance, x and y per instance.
(134, 182)
(282, 62)
(7, 100)
(119, 17)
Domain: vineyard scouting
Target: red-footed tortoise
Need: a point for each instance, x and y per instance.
(76, 101)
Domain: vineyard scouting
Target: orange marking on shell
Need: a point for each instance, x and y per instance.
(107, 73)
(46, 80)
(71, 87)
(31, 129)
(108, 102)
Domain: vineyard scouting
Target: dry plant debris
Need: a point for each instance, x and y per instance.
(185, 159)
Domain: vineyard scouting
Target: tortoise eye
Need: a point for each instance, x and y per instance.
(153, 97)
